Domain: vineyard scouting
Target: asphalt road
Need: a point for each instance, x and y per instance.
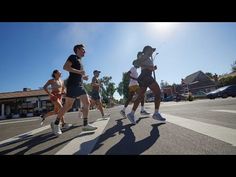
(198, 127)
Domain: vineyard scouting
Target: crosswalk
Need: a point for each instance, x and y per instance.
(84, 143)
(225, 134)
(225, 111)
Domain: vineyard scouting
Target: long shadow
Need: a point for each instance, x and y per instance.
(61, 143)
(145, 117)
(21, 138)
(128, 146)
(111, 132)
(32, 142)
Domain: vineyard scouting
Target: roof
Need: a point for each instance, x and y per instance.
(198, 76)
(21, 94)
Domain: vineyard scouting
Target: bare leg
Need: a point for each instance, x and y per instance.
(86, 104)
(68, 105)
(157, 93)
(140, 97)
(99, 106)
(131, 94)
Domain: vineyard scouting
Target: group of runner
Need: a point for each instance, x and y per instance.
(139, 84)
(74, 89)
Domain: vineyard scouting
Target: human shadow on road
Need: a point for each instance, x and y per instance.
(128, 146)
(61, 143)
(111, 132)
(32, 141)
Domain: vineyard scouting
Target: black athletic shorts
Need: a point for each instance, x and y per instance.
(95, 95)
(145, 79)
(74, 91)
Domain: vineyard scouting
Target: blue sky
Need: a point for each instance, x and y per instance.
(29, 52)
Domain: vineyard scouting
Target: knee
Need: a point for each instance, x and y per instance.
(56, 111)
(86, 105)
(157, 96)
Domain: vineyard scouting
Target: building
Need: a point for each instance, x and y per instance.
(26, 103)
(197, 81)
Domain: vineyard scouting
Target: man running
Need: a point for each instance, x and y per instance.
(95, 95)
(145, 80)
(133, 88)
(75, 89)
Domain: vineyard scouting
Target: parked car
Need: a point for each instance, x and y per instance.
(169, 98)
(150, 99)
(200, 94)
(223, 92)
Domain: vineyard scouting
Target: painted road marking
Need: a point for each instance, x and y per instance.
(225, 134)
(84, 143)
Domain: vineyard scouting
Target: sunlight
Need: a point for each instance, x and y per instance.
(161, 28)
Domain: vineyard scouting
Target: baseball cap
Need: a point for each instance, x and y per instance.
(96, 71)
(148, 48)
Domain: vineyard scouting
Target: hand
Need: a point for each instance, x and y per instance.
(82, 72)
(85, 77)
(51, 95)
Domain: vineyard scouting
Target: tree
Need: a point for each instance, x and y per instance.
(123, 88)
(108, 89)
(88, 87)
(233, 66)
(209, 75)
(230, 80)
(111, 90)
(164, 84)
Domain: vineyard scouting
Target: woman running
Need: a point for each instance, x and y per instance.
(146, 80)
(57, 89)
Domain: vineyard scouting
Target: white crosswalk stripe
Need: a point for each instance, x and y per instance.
(84, 143)
(18, 121)
(21, 136)
(225, 134)
(227, 111)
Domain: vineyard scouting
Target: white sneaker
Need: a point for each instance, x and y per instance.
(66, 126)
(56, 129)
(157, 116)
(131, 118)
(122, 112)
(89, 128)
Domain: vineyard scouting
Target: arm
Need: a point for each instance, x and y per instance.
(131, 76)
(63, 90)
(67, 67)
(152, 68)
(85, 78)
(45, 87)
(94, 84)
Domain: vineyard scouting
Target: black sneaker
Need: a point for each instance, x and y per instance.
(43, 118)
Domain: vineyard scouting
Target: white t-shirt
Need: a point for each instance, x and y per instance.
(134, 74)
